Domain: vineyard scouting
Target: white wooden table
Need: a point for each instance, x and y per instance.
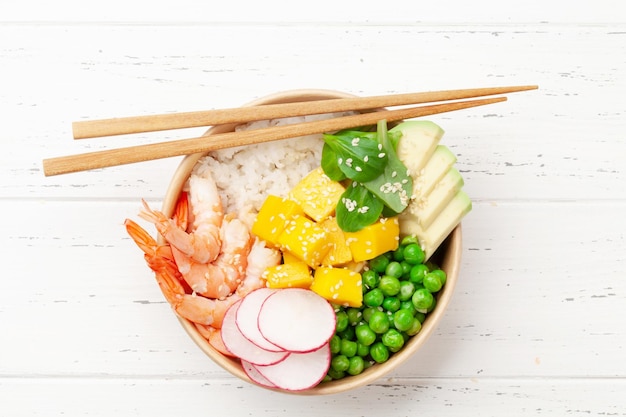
(537, 321)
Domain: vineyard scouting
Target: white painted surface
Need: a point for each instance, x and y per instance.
(536, 326)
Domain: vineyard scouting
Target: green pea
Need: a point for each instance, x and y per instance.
(432, 282)
(408, 305)
(397, 255)
(394, 269)
(415, 327)
(367, 313)
(422, 299)
(420, 316)
(403, 320)
(432, 306)
(342, 321)
(391, 304)
(348, 348)
(442, 275)
(389, 285)
(393, 340)
(340, 363)
(333, 374)
(370, 279)
(379, 263)
(417, 274)
(356, 366)
(407, 288)
(406, 269)
(364, 334)
(407, 240)
(354, 315)
(335, 344)
(413, 254)
(362, 350)
(379, 322)
(374, 298)
(348, 333)
(379, 352)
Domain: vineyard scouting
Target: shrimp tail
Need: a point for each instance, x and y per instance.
(202, 248)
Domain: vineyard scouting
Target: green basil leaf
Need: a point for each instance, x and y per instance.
(360, 158)
(329, 164)
(395, 186)
(357, 208)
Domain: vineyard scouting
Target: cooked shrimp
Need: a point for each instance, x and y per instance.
(214, 337)
(209, 311)
(220, 278)
(158, 257)
(202, 248)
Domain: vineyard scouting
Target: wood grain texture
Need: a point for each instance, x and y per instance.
(535, 327)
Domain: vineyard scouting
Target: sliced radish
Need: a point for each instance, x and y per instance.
(240, 346)
(297, 320)
(256, 376)
(298, 371)
(247, 318)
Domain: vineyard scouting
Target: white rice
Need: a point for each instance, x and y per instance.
(246, 175)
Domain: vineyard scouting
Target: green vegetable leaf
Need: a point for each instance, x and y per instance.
(395, 186)
(357, 208)
(329, 164)
(359, 157)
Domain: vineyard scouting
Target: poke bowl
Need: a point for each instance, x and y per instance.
(244, 188)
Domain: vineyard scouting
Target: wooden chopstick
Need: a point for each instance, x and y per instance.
(139, 153)
(139, 124)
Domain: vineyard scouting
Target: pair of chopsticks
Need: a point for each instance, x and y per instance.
(139, 124)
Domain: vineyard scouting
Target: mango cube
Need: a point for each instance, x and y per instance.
(273, 217)
(375, 239)
(288, 258)
(338, 285)
(291, 275)
(306, 240)
(339, 253)
(317, 194)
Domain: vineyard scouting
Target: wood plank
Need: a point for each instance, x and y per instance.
(535, 146)
(539, 296)
(412, 396)
(325, 11)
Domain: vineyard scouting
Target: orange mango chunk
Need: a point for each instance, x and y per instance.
(375, 239)
(317, 194)
(306, 240)
(339, 253)
(273, 217)
(338, 285)
(291, 275)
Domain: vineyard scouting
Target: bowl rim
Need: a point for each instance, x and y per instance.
(448, 255)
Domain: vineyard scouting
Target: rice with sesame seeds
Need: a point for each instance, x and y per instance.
(246, 175)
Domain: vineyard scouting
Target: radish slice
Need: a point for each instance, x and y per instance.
(238, 345)
(297, 320)
(248, 315)
(256, 376)
(298, 371)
